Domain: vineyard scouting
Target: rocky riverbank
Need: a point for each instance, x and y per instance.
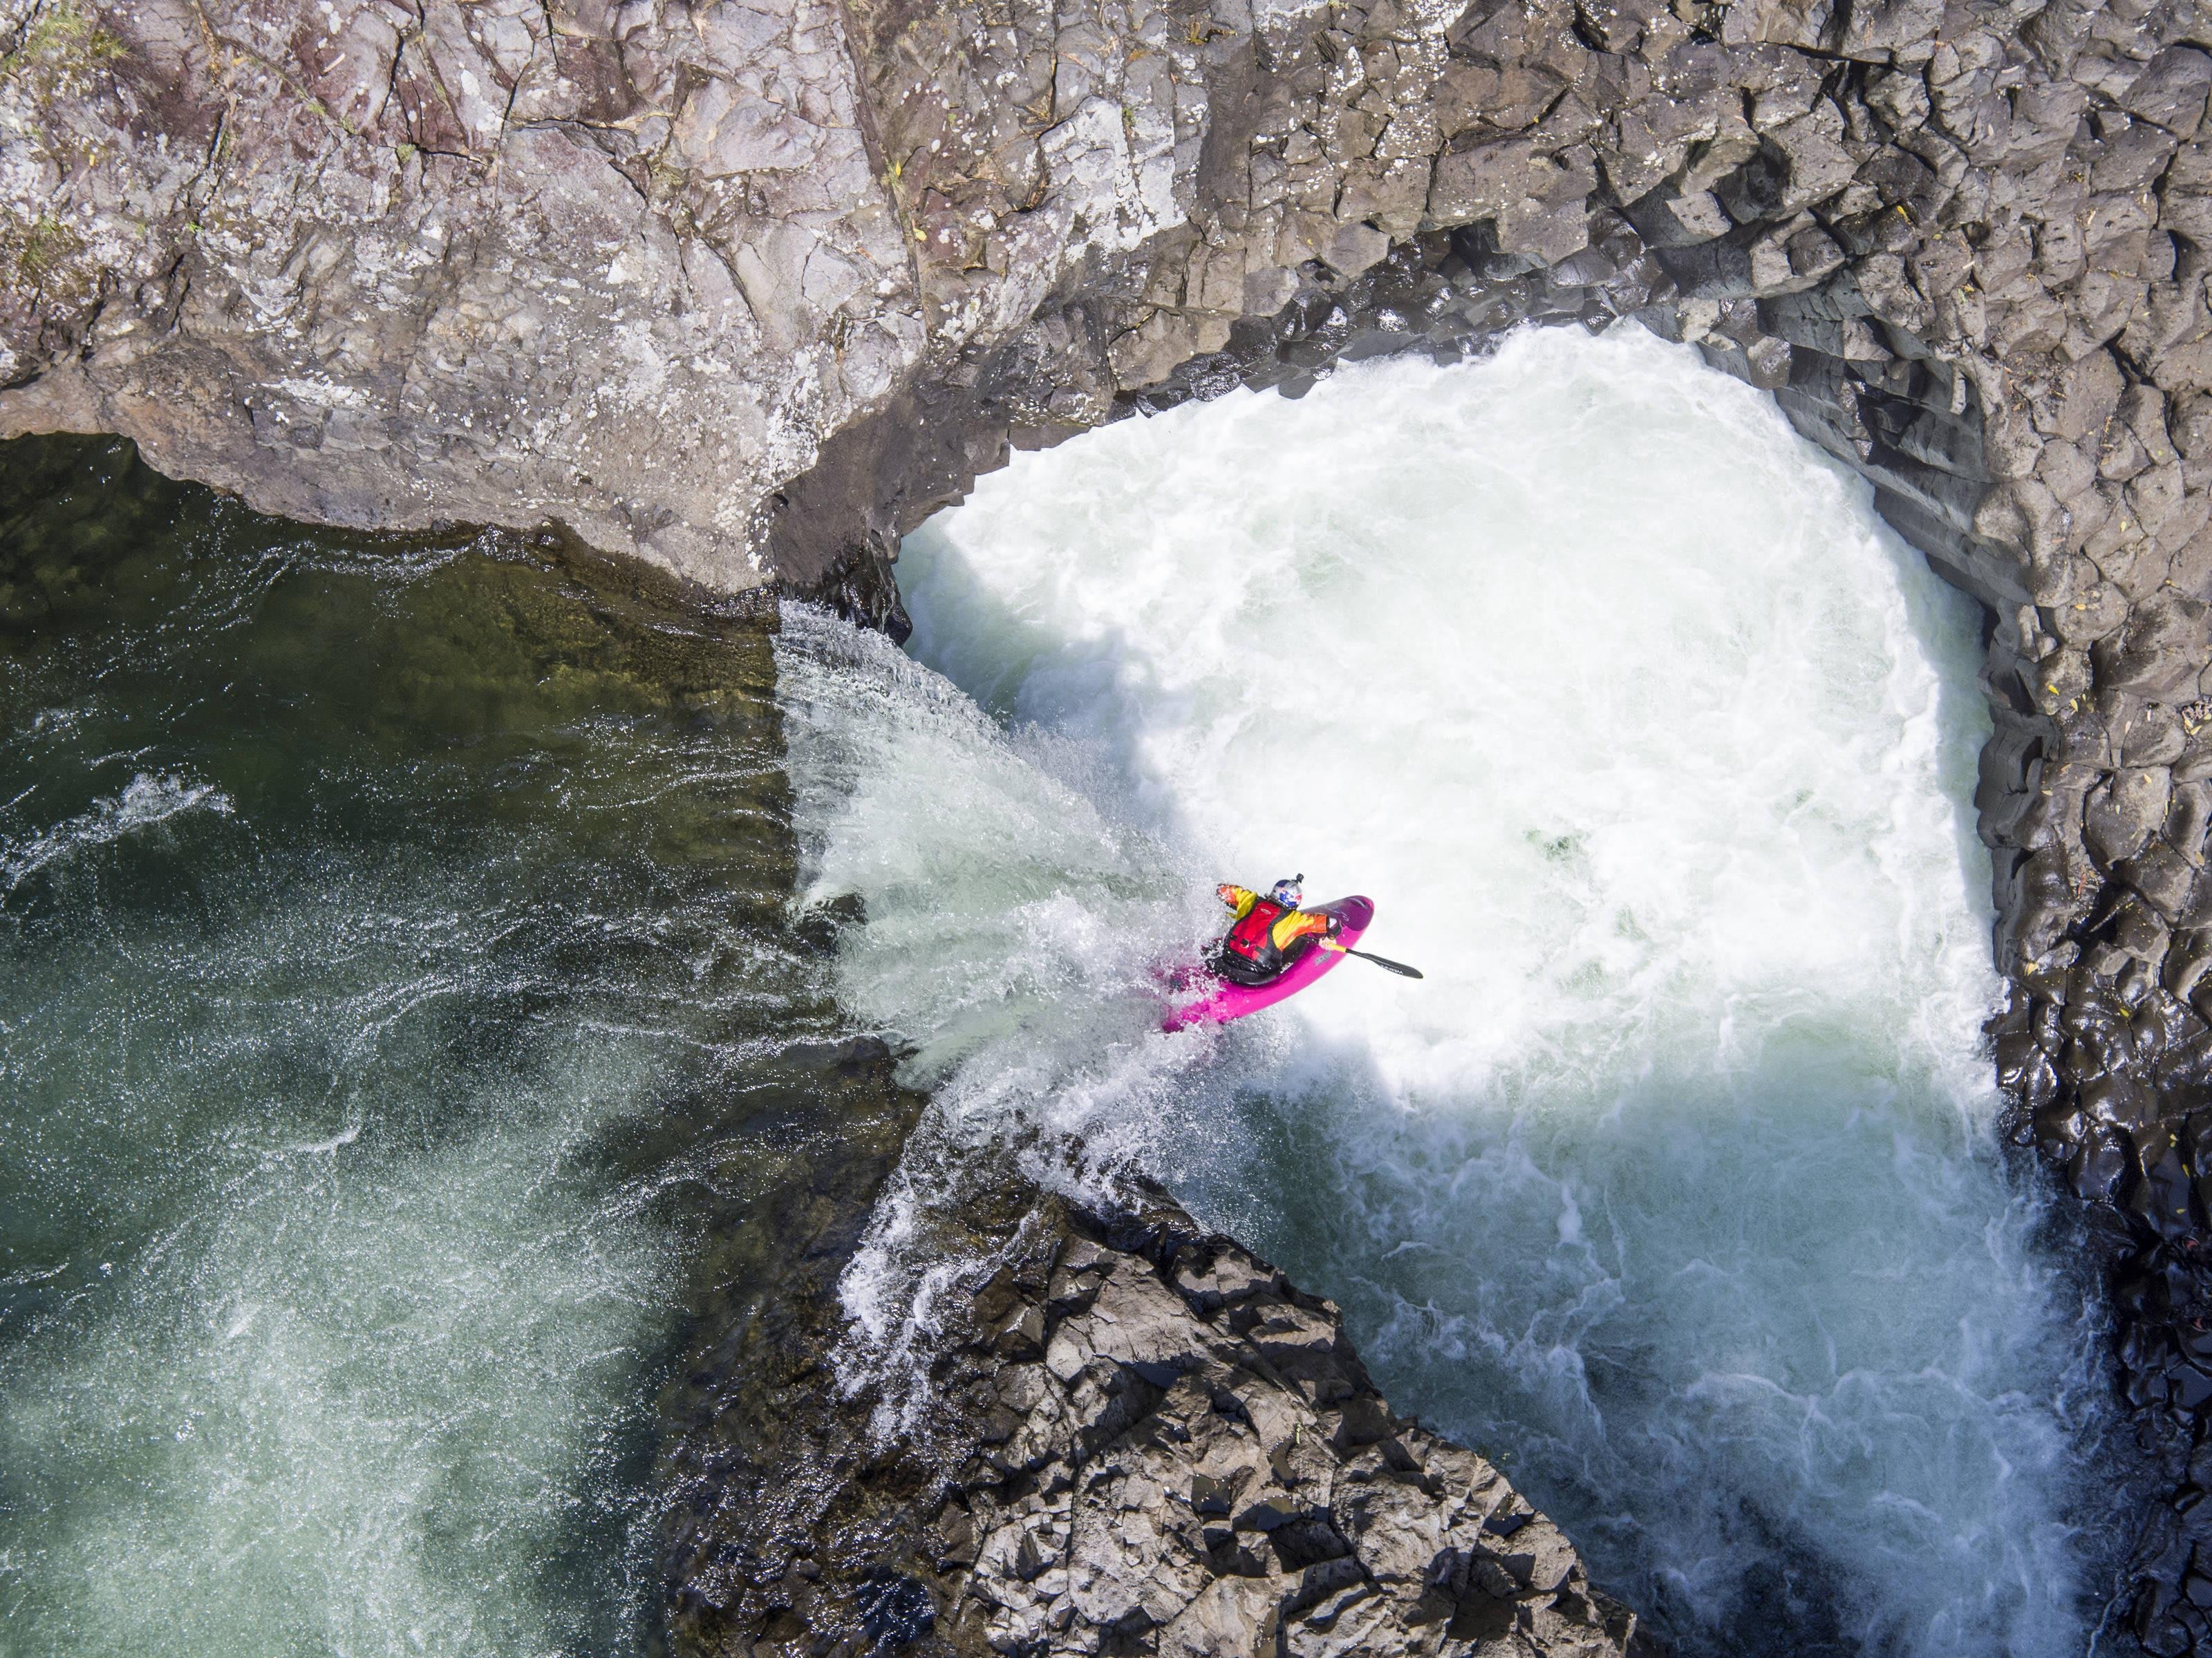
(1137, 1438)
(751, 290)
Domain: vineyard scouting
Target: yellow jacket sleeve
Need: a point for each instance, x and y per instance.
(1297, 925)
(1239, 900)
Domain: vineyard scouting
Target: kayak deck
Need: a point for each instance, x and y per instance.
(1223, 1001)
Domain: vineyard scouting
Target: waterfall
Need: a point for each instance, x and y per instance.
(1674, 1185)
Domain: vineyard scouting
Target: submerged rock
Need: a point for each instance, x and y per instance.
(1135, 1437)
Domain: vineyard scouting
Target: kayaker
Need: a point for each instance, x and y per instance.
(1266, 936)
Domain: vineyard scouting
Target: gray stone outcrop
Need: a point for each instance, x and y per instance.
(1137, 1439)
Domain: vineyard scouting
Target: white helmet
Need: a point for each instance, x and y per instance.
(1290, 892)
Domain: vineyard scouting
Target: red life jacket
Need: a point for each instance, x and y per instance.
(1252, 937)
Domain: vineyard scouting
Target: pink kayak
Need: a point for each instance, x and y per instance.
(1223, 1001)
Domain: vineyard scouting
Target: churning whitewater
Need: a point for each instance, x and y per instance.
(1674, 1186)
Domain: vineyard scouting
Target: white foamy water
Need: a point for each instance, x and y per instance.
(1673, 1185)
(147, 799)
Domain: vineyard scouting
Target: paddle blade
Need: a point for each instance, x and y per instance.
(1398, 968)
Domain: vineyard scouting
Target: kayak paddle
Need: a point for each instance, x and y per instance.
(1399, 967)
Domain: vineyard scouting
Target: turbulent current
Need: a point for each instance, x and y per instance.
(1673, 1185)
(394, 1011)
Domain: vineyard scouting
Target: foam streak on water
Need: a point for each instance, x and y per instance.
(146, 800)
(1673, 1181)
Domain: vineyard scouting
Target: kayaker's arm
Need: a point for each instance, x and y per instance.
(1305, 924)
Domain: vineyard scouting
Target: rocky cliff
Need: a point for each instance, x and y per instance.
(1137, 1439)
(749, 288)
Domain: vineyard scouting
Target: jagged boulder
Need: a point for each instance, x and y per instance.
(1138, 1438)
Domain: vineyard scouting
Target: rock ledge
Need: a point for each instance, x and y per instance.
(1140, 1439)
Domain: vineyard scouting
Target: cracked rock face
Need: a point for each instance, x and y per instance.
(385, 265)
(1140, 1439)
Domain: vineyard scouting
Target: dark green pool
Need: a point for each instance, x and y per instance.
(395, 1000)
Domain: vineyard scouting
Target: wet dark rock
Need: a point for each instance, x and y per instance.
(1182, 1455)
(2162, 1197)
(896, 1611)
(2099, 1164)
(2122, 811)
